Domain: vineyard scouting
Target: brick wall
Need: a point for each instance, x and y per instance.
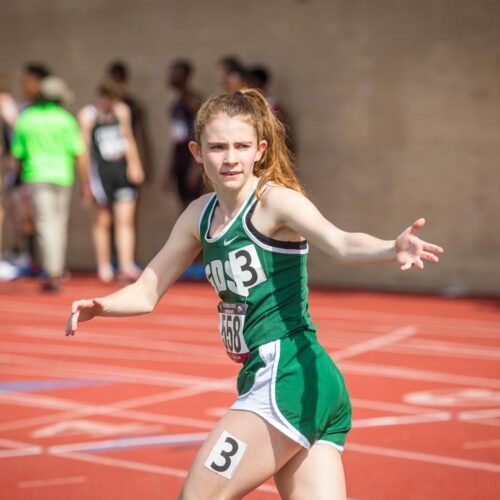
(395, 104)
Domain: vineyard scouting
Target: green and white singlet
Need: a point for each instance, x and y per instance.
(287, 377)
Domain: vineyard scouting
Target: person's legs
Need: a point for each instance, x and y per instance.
(102, 243)
(124, 213)
(45, 208)
(62, 197)
(238, 455)
(316, 473)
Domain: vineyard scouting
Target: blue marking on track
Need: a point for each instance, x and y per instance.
(48, 385)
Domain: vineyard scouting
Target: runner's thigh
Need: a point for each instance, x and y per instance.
(314, 473)
(240, 453)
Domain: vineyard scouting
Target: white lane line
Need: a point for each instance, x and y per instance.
(442, 416)
(119, 410)
(414, 347)
(374, 343)
(411, 349)
(76, 410)
(185, 359)
(318, 311)
(125, 335)
(357, 314)
(383, 406)
(138, 466)
(9, 443)
(420, 320)
(479, 414)
(125, 414)
(79, 409)
(472, 351)
(127, 464)
(401, 372)
(157, 318)
(52, 482)
(21, 452)
(423, 457)
(18, 449)
(117, 373)
(109, 353)
(476, 445)
(114, 444)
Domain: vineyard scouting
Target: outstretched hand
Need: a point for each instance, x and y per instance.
(82, 310)
(412, 251)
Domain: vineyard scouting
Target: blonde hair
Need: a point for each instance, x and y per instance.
(276, 164)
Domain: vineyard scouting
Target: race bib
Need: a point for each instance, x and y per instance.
(110, 142)
(231, 322)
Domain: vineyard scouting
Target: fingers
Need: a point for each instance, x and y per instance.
(430, 257)
(417, 262)
(418, 224)
(67, 328)
(76, 308)
(406, 266)
(79, 305)
(430, 247)
(71, 324)
(74, 321)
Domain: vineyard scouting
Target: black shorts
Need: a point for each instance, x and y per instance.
(109, 184)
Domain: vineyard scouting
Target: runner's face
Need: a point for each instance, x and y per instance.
(229, 149)
(105, 103)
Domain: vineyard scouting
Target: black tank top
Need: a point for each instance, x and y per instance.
(108, 142)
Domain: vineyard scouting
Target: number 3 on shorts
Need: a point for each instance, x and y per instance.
(226, 455)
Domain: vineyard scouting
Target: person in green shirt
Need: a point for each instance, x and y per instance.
(47, 142)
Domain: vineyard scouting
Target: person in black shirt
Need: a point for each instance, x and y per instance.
(115, 172)
(182, 169)
(119, 73)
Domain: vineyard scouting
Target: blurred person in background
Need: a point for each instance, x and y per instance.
(47, 142)
(258, 77)
(33, 76)
(183, 170)
(115, 172)
(119, 73)
(230, 74)
(18, 206)
(8, 116)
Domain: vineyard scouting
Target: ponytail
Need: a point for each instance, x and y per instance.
(276, 163)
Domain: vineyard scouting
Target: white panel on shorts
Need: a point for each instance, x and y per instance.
(261, 399)
(96, 186)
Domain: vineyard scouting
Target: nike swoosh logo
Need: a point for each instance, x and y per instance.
(226, 243)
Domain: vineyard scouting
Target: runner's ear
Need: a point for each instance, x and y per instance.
(195, 151)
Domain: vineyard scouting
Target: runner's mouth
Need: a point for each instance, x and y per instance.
(230, 174)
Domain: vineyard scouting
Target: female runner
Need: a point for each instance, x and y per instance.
(293, 412)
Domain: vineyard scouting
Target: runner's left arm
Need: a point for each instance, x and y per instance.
(292, 209)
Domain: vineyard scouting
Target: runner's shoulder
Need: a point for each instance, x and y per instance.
(193, 211)
(278, 197)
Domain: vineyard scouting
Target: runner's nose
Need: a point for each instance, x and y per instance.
(230, 158)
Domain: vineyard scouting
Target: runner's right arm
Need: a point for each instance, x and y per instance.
(141, 297)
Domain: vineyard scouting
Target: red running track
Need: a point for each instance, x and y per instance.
(119, 410)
